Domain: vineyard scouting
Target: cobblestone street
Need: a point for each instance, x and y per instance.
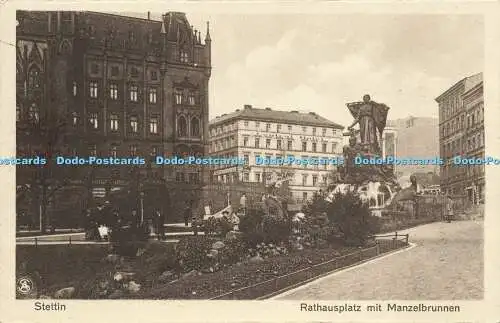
(447, 263)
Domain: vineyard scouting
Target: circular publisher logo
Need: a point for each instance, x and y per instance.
(25, 285)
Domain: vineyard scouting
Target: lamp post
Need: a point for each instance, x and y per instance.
(142, 206)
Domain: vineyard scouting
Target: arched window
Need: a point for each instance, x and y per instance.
(195, 127)
(182, 126)
(34, 78)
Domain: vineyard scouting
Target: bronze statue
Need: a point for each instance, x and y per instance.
(372, 118)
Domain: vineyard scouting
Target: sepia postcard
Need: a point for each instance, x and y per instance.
(250, 162)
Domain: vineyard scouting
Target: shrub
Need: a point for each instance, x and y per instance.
(250, 226)
(126, 241)
(234, 250)
(192, 252)
(352, 217)
(216, 226)
(275, 230)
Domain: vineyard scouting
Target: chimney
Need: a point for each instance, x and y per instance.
(247, 106)
(149, 15)
(268, 109)
(294, 111)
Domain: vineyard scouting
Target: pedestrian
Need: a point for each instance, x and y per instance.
(449, 209)
(134, 220)
(243, 203)
(160, 224)
(188, 213)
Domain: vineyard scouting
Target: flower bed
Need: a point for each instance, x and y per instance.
(197, 285)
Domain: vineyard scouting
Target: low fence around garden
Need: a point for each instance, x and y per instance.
(278, 285)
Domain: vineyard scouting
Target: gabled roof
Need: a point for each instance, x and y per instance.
(267, 114)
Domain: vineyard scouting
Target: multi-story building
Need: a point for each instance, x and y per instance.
(125, 86)
(416, 138)
(461, 133)
(251, 132)
(389, 141)
(91, 83)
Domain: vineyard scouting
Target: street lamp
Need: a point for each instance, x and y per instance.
(142, 207)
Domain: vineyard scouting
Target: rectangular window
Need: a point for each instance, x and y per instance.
(154, 75)
(289, 145)
(247, 159)
(115, 71)
(268, 143)
(278, 128)
(184, 57)
(113, 91)
(304, 129)
(278, 144)
(315, 180)
(74, 89)
(92, 150)
(134, 72)
(268, 126)
(154, 151)
(304, 180)
(245, 141)
(258, 179)
(304, 196)
(93, 86)
(314, 147)
(246, 177)
(314, 131)
(94, 68)
(324, 132)
(304, 146)
(113, 122)
(290, 128)
(178, 97)
(334, 147)
(75, 119)
(257, 124)
(324, 147)
(257, 143)
(133, 150)
(191, 99)
(113, 151)
(134, 124)
(324, 178)
(152, 95)
(134, 90)
(245, 123)
(153, 125)
(94, 122)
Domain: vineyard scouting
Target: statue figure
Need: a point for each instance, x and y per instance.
(371, 117)
(350, 152)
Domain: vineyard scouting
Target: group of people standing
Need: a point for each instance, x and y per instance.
(112, 219)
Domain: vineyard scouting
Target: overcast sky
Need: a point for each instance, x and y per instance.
(320, 62)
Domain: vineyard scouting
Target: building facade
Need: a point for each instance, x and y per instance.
(96, 84)
(251, 133)
(416, 138)
(123, 86)
(461, 133)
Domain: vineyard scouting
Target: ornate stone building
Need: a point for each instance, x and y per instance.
(461, 132)
(110, 85)
(251, 132)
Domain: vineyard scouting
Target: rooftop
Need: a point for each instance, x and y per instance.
(268, 114)
(469, 82)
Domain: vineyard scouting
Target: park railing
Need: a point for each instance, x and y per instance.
(278, 285)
